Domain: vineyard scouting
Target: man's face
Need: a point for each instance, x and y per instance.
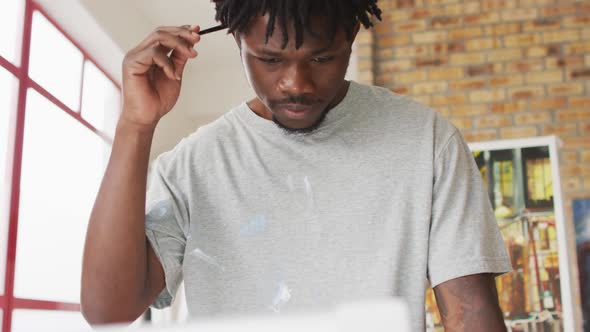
(295, 87)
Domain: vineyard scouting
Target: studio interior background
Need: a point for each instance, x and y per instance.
(512, 75)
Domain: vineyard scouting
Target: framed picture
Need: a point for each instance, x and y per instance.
(522, 180)
(581, 215)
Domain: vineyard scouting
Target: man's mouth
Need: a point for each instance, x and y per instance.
(295, 111)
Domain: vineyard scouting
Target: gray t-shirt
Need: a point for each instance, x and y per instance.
(383, 195)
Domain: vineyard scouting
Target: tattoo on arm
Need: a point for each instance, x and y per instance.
(470, 303)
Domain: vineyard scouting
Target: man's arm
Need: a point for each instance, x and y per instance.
(121, 274)
(470, 303)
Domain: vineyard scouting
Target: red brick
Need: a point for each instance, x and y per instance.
(395, 65)
(576, 143)
(510, 107)
(410, 77)
(462, 59)
(532, 118)
(468, 84)
(527, 92)
(525, 66)
(542, 23)
(502, 54)
(416, 25)
(519, 14)
(446, 73)
(429, 87)
(493, 121)
(559, 10)
(493, 5)
(563, 89)
(562, 129)
(424, 13)
(456, 46)
(575, 170)
(429, 37)
(480, 135)
(483, 17)
(568, 156)
(577, 48)
(483, 44)
(453, 99)
(391, 41)
(520, 40)
(580, 74)
(486, 96)
(404, 3)
(426, 62)
(576, 21)
(411, 51)
(518, 132)
(572, 183)
(549, 103)
(545, 77)
(465, 33)
(580, 102)
(445, 21)
(573, 115)
(543, 50)
(383, 28)
(560, 36)
(468, 110)
(486, 69)
(585, 129)
(503, 29)
(564, 62)
(506, 80)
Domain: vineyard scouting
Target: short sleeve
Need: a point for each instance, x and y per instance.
(464, 235)
(166, 228)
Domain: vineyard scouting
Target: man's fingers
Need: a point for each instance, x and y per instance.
(161, 60)
(180, 61)
(140, 63)
(171, 42)
(190, 36)
(155, 50)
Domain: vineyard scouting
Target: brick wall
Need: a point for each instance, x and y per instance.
(498, 69)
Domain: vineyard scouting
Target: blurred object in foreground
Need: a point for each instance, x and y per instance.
(375, 316)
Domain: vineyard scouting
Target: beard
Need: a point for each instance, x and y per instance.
(301, 131)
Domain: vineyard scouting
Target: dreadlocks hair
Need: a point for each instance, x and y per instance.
(236, 15)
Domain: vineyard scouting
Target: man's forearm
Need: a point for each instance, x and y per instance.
(114, 267)
(470, 303)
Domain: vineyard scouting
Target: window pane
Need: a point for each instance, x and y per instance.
(63, 163)
(8, 91)
(56, 63)
(100, 100)
(11, 25)
(47, 320)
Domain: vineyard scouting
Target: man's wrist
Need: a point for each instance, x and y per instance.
(126, 124)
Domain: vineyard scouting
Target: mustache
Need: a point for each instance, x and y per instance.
(295, 99)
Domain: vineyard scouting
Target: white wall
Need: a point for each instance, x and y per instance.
(213, 83)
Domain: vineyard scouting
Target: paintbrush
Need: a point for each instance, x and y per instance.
(213, 29)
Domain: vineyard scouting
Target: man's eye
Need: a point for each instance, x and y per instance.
(323, 59)
(270, 60)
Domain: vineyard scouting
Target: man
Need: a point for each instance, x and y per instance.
(315, 192)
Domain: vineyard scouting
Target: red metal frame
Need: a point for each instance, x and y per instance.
(7, 301)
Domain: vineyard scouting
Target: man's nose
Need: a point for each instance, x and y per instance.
(297, 80)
